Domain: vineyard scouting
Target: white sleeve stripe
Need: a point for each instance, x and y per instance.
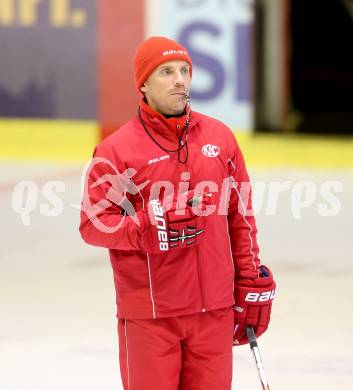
(127, 356)
(150, 282)
(247, 223)
(230, 243)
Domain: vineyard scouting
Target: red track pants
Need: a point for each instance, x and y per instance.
(192, 352)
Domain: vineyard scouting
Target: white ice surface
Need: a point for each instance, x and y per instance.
(57, 301)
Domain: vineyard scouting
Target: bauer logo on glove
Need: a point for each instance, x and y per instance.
(160, 224)
(180, 226)
(257, 297)
(253, 304)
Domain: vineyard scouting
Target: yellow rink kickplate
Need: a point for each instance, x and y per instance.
(74, 141)
(296, 151)
(53, 140)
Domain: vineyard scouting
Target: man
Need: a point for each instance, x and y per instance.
(165, 194)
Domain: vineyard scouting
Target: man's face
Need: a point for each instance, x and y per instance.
(166, 86)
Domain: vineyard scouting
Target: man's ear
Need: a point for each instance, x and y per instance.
(143, 88)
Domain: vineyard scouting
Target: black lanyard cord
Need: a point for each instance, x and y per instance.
(181, 143)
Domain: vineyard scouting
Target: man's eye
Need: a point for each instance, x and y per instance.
(185, 70)
(166, 71)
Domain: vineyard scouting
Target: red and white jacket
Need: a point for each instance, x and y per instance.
(183, 281)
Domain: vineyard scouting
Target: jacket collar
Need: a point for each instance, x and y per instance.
(170, 128)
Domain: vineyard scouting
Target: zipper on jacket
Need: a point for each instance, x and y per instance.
(203, 309)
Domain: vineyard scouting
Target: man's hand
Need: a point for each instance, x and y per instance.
(180, 226)
(253, 302)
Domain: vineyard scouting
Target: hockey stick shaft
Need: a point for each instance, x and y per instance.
(257, 357)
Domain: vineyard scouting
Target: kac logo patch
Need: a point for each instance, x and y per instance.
(211, 150)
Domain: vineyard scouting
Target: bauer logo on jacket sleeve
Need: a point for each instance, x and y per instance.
(263, 297)
(211, 150)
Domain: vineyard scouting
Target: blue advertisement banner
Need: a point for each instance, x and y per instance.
(218, 35)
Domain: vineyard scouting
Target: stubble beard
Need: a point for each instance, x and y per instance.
(170, 110)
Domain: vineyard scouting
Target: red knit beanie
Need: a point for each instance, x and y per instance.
(153, 52)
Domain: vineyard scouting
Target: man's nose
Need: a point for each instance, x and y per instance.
(179, 78)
